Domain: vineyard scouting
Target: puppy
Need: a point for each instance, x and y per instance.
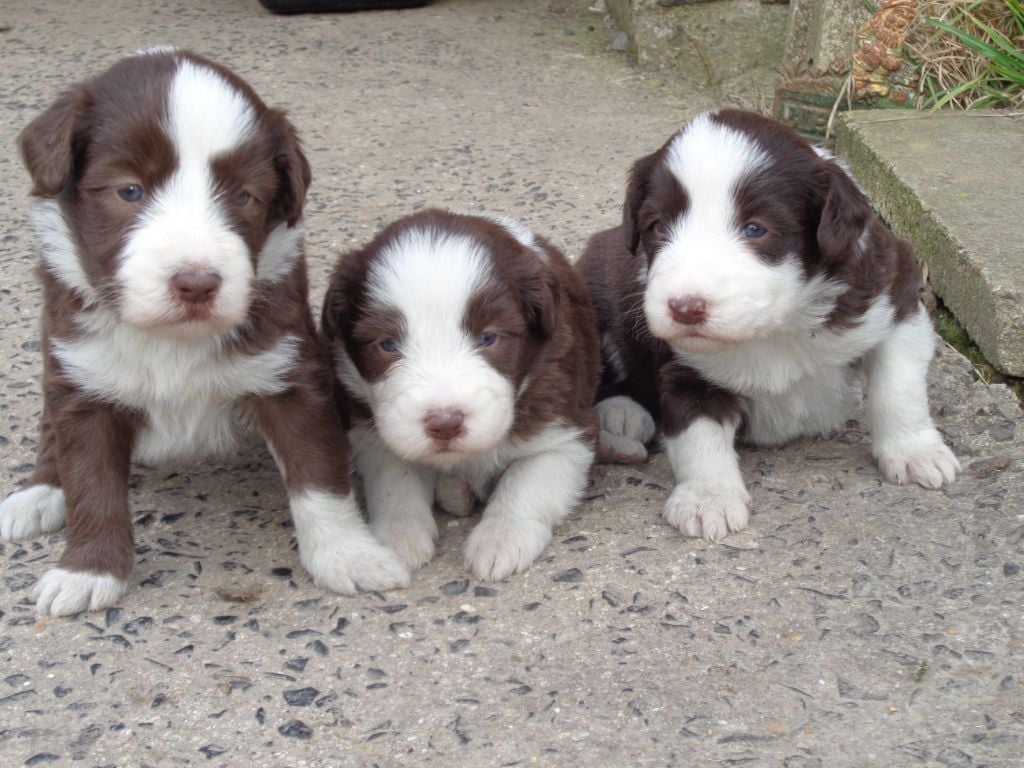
(169, 201)
(470, 350)
(748, 291)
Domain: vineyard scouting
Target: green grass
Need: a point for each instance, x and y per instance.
(1001, 82)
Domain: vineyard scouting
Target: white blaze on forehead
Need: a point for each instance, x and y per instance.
(430, 276)
(518, 229)
(183, 226)
(710, 160)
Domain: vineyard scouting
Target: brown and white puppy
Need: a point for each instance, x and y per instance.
(470, 350)
(169, 201)
(748, 291)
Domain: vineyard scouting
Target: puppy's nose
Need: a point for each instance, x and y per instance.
(195, 287)
(688, 310)
(444, 424)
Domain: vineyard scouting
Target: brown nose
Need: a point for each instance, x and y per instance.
(195, 287)
(688, 310)
(444, 424)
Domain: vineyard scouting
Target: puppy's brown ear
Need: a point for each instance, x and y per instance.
(541, 296)
(292, 168)
(47, 144)
(334, 305)
(636, 192)
(844, 215)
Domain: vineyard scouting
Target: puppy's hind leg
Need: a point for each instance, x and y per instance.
(905, 441)
(626, 428)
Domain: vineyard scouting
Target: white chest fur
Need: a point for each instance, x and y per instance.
(797, 381)
(188, 390)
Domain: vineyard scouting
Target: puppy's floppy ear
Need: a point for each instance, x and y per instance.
(292, 168)
(844, 215)
(541, 296)
(336, 300)
(47, 144)
(636, 192)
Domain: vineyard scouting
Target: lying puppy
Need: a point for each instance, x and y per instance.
(749, 289)
(470, 350)
(175, 312)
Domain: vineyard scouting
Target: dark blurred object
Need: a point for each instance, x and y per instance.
(329, 6)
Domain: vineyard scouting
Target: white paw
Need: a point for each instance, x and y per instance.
(498, 547)
(454, 495)
(352, 563)
(412, 538)
(62, 592)
(626, 427)
(923, 459)
(710, 511)
(26, 514)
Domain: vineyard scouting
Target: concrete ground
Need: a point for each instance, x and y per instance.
(855, 623)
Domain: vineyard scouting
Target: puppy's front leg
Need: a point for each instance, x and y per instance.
(904, 440)
(94, 445)
(399, 496)
(38, 508)
(700, 422)
(305, 436)
(534, 494)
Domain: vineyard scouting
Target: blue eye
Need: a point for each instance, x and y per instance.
(754, 231)
(487, 339)
(132, 193)
(662, 228)
(242, 198)
(388, 345)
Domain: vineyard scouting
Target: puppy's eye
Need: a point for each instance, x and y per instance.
(662, 228)
(754, 231)
(132, 193)
(487, 339)
(388, 345)
(242, 199)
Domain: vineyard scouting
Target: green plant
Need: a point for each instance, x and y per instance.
(988, 68)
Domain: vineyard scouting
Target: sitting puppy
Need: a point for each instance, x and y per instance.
(176, 311)
(749, 289)
(470, 350)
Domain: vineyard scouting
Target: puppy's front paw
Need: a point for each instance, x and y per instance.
(454, 495)
(357, 563)
(626, 428)
(923, 459)
(498, 548)
(36, 510)
(61, 592)
(710, 511)
(411, 538)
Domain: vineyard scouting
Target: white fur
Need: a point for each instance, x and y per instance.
(626, 428)
(188, 389)
(613, 357)
(182, 225)
(454, 495)
(399, 498)
(336, 548)
(279, 253)
(709, 499)
(905, 441)
(430, 277)
(518, 229)
(530, 486)
(706, 255)
(58, 249)
(61, 592)
(30, 512)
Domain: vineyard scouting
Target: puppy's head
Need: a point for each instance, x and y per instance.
(744, 225)
(436, 325)
(168, 189)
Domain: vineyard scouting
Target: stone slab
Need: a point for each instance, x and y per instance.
(953, 184)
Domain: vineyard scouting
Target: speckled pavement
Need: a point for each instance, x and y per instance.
(854, 624)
